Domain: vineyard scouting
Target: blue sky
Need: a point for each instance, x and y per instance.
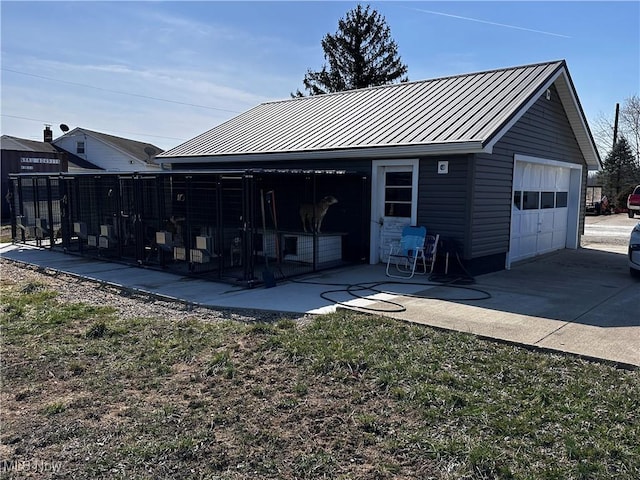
(164, 72)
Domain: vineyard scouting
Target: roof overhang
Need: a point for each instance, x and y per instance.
(573, 109)
(577, 119)
(387, 151)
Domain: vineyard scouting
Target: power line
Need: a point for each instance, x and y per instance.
(27, 118)
(118, 91)
(112, 131)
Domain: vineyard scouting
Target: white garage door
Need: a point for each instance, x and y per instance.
(540, 209)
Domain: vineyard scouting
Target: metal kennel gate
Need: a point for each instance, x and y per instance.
(35, 208)
(229, 226)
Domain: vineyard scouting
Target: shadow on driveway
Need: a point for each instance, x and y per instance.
(592, 287)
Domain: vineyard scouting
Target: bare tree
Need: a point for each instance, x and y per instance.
(630, 118)
(602, 127)
(628, 126)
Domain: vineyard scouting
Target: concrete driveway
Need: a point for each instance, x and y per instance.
(579, 301)
(608, 232)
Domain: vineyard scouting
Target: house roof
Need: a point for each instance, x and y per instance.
(459, 114)
(133, 148)
(23, 145)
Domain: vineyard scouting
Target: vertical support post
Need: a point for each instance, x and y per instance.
(248, 227)
(52, 233)
(36, 208)
(117, 217)
(21, 205)
(76, 212)
(162, 213)
(188, 221)
(314, 253)
(12, 211)
(138, 215)
(219, 239)
(365, 233)
(65, 225)
(99, 189)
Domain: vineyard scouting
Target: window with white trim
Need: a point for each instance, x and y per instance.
(398, 192)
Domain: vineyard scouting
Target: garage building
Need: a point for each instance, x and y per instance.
(495, 162)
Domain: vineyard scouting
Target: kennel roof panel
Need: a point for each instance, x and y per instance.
(458, 114)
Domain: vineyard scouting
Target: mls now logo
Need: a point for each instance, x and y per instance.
(37, 466)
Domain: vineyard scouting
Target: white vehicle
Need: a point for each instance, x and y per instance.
(633, 202)
(634, 252)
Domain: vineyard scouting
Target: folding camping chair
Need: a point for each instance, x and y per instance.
(406, 253)
(430, 251)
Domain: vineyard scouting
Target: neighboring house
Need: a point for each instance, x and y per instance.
(77, 151)
(495, 162)
(20, 155)
(108, 152)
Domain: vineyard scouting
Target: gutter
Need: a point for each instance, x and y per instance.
(391, 151)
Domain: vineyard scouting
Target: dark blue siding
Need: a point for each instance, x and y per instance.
(543, 131)
(444, 200)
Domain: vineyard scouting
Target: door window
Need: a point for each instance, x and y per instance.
(517, 199)
(530, 200)
(547, 200)
(561, 199)
(398, 194)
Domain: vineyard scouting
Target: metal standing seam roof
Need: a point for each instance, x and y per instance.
(458, 113)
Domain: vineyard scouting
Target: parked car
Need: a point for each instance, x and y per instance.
(597, 204)
(633, 202)
(634, 252)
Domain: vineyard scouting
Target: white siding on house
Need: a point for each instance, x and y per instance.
(103, 155)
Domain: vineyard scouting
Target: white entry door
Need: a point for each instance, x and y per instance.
(394, 203)
(541, 208)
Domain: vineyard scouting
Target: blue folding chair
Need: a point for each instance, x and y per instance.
(406, 253)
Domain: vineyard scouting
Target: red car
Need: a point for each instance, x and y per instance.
(633, 202)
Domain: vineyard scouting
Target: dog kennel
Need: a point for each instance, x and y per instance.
(34, 204)
(228, 226)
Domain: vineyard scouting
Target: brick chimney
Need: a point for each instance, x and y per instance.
(48, 134)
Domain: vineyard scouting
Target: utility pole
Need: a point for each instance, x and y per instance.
(615, 126)
(615, 140)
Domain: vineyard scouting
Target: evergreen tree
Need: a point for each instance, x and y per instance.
(620, 169)
(360, 54)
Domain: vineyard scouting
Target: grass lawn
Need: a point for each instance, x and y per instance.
(87, 394)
